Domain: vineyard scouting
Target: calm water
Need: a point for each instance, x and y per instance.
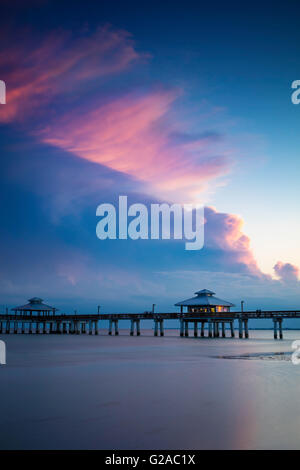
(101, 392)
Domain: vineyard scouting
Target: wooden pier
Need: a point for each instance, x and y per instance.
(49, 324)
(197, 325)
(208, 316)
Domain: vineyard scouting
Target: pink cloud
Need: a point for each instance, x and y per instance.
(224, 232)
(135, 135)
(35, 70)
(286, 271)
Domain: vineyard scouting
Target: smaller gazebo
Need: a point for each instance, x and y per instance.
(35, 306)
(205, 302)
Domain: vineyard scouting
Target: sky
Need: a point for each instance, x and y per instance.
(183, 102)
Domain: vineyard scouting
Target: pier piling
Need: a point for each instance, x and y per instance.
(280, 328)
(275, 328)
(246, 328)
(240, 328)
(209, 329)
(181, 327)
(161, 325)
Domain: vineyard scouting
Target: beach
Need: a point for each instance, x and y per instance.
(146, 392)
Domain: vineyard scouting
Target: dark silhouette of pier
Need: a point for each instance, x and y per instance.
(208, 315)
(209, 325)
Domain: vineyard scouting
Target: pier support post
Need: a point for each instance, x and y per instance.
(195, 329)
(110, 327)
(138, 328)
(209, 329)
(161, 325)
(275, 328)
(23, 327)
(132, 327)
(232, 329)
(240, 328)
(30, 328)
(7, 329)
(16, 327)
(280, 328)
(96, 327)
(116, 327)
(223, 330)
(44, 327)
(37, 328)
(90, 327)
(246, 328)
(186, 328)
(181, 327)
(202, 329)
(155, 328)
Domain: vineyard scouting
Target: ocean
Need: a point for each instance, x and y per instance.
(146, 392)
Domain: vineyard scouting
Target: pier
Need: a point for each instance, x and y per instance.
(58, 324)
(202, 326)
(203, 321)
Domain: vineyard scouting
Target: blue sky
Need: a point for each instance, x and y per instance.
(173, 102)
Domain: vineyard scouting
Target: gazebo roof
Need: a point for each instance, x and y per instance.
(35, 305)
(204, 297)
(205, 292)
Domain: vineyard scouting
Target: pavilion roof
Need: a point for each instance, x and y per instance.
(204, 297)
(35, 305)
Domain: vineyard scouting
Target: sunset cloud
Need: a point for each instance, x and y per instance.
(135, 135)
(286, 272)
(37, 70)
(224, 232)
(51, 90)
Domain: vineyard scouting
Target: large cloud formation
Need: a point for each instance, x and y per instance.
(51, 89)
(103, 142)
